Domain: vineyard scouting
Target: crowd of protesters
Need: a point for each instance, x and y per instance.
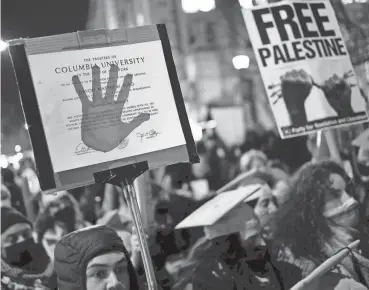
(307, 210)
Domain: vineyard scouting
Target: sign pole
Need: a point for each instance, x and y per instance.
(131, 198)
(332, 145)
(124, 177)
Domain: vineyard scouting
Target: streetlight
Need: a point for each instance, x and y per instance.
(241, 62)
(194, 6)
(3, 45)
(206, 5)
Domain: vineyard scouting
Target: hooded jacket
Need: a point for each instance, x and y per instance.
(13, 276)
(75, 250)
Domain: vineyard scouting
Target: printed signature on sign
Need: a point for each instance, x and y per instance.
(83, 149)
(148, 135)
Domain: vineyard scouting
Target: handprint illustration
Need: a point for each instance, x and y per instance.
(102, 128)
(337, 90)
(294, 89)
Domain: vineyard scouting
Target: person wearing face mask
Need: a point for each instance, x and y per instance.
(24, 263)
(320, 218)
(59, 216)
(233, 254)
(94, 258)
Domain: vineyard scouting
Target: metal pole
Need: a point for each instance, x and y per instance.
(130, 196)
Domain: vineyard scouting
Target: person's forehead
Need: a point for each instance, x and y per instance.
(17, 228)
(108, 259)
(337, 181)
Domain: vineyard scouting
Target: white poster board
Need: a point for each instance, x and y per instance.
(98, 100)
(305, 66)
(150, 93)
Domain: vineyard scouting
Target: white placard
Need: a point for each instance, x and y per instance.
(61, 107)
(305, 66)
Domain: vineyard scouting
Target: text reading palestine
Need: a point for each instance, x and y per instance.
(306, 43)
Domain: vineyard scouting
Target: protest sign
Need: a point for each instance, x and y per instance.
(101, 99)
(305, 66)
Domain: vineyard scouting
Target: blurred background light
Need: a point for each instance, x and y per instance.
(190, 6)
(194, 6)
(17, 148)
(206, 5)
(241, 62)
(4, 161)
(196, 130)
(3, 45)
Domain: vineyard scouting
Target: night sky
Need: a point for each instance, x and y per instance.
(35, 18)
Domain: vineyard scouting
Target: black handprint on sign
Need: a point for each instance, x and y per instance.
(338, 91)
(294, 89)
(101, 127)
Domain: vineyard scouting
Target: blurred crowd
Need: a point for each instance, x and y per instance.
(307, 209)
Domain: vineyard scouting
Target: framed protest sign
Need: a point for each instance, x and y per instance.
(101, 99)
(305, 66)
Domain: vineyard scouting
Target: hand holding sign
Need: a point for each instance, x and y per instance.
(337, 90)
(102, 128)
(295, 87)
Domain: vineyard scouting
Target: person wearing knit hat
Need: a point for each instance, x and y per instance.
(23, 261)
(93, 258)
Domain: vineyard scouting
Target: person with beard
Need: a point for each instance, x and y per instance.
(94, 258)
(60, 215)
(320, 218)
(233, 255)
(24, 263)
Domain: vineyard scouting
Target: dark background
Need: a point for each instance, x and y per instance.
(20, 18)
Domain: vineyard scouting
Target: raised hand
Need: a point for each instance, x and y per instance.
(101, 127)
(337, 90)
(294, 89)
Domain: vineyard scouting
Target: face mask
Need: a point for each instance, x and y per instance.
(257, 258)
(28, 256)
(346, 215)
